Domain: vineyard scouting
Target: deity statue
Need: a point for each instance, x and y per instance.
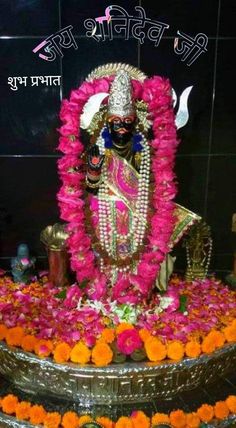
(22, 266)
(131, 221)
(198, 248)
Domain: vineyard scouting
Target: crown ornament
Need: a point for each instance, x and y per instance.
(120, 100)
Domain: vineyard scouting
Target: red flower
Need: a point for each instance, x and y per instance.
(128, 341)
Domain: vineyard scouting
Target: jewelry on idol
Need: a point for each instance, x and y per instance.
(107, 223)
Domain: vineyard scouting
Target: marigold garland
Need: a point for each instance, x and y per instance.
(80, 353)
(124, 422)
(9, 404)
(221, 410)
(104, 421)
(3, 331)
(102, 354)
(23, 410)
(160, 418)
(192, 420)
(84, 419)
(193, 349)
(155, 349)
(231, 403)
(178, 419)
(28, 343)
(36, 414)
(206, 413)
(62, 353)
(52, 420)
(140, 420)
(14, 336)
(70, 420)
(175, 350)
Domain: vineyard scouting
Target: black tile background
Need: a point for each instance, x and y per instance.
(206, 158)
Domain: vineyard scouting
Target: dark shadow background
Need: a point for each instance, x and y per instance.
(29, 117)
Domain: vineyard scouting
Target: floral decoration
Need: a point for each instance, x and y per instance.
(34, 318)
(156, 92)
(37, 415)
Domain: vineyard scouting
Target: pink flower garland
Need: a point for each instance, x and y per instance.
(156, 92)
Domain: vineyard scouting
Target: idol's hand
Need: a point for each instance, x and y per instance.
(95, 159)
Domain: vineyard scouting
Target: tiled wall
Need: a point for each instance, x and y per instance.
(29, 117)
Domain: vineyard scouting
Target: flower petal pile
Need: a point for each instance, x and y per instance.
(36, 318)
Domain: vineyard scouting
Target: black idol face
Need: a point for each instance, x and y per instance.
(121, 127)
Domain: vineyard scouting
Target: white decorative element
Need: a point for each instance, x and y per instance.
(165, 302)
(182, 115)
(174, 96)
(166, 270)
(120, 99)
(91, 107)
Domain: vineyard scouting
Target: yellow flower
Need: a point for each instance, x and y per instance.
(102, 354)
(80, 353)
(155, 349)
(175, 350)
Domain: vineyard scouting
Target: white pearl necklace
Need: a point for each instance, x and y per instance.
(107, 225)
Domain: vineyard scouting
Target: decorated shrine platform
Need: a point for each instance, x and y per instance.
(205, 400)
(112, 360)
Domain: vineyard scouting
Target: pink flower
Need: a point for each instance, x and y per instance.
(128, 341)
(73, 295)
(97, 289)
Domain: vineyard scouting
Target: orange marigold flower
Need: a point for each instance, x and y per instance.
(144, 334)
(84, 419)
(3, 331)
(43, 348)
(14, 336)
(37, 414)
(102, 354)
(123, 326)
(221, 410)
(23, 410)
(155, 349)
(80, 353)
(70, 420)
(205, 413)
(140, 420)
(175, 350)
(9, 404)
(178, 418)
(124, 422)
(192, 420)
(230, 333)
(28, 343)
(160, 418)
(217, 337)
(62, 352)
(208, 344)
(108, 335)
(193, 349)
(52, 420)
(105, 422)
(231, 403)
(234, 324)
